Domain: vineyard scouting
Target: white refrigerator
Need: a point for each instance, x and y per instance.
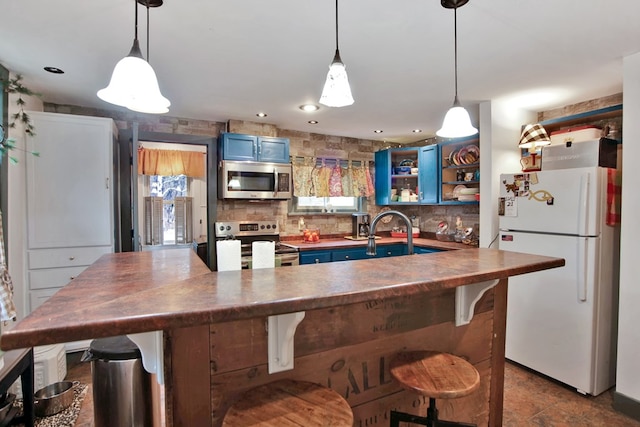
(562, 322)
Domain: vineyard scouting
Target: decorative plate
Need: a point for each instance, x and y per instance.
(457, 189)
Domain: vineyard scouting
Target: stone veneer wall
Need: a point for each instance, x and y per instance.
(303, 144)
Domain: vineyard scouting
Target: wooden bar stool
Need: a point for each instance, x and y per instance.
(435, 375)
(289, 403)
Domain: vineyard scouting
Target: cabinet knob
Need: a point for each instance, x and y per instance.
(72, 277)
(71, 258)
(346, 257)
(317, 261)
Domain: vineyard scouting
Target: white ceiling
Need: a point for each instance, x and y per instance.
(220, 60)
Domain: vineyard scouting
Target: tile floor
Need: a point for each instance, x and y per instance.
(529, 400)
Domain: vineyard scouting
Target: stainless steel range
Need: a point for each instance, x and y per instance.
(251, 231)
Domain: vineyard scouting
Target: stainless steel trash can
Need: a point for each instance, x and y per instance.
(121, 386)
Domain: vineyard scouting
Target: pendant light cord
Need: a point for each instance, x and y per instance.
(147, 1)
(135, 34)
(455, 47)
(336, 25)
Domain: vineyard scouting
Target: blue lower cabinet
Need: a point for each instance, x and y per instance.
(349, 254)
(315, 257)
(382, 251)
(391, 250)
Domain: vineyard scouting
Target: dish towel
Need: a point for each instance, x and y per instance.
(229, 253)
(263, 254)
(7, 308)
(614, 192)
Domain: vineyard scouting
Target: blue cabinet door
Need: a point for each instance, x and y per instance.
(315, 257)
(383, 177)
(429, 174)
(390, 250)
(236, 146)
(271, 149)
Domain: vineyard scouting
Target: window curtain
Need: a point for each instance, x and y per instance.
(319, 179)
(171, 162)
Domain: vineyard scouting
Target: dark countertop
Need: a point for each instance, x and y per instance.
(159, 290)
(337, 243)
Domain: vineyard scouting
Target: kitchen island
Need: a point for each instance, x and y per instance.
(358, 315)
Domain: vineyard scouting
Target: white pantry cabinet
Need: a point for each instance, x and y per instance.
(70, 199)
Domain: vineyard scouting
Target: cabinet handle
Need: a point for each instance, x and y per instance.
(106, 183)
(71, 258)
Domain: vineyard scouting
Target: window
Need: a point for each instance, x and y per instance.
(170, 222)
(327, 205)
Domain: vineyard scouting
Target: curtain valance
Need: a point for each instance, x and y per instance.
(320, 178)
(171, 162)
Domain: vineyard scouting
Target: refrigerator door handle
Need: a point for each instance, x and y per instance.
(582, 273)
(583, 209)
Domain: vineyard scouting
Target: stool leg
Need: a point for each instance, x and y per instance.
(396, 417)
(432, 413)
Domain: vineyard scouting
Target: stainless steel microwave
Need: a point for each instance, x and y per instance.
(254, 180)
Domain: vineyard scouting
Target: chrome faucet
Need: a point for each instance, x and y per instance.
(371, 244)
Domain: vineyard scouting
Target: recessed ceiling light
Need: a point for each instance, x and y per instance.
(261, 114)
(378, 131)
(309, 107)
(417, 130)
(313, 122)
(54, 70)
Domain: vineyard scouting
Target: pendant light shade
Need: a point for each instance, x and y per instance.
(336, 92)
(134, 84)
(457, 122)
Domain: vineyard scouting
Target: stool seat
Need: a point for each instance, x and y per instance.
(435, 374)
(289, 403)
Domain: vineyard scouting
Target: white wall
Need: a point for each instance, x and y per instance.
(628, 374)
(500, 125)
(16, 215)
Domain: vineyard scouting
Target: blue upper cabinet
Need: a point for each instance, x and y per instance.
(416, 170)
(397, 169)
(236, 146)
(429, 174)
(271, 149)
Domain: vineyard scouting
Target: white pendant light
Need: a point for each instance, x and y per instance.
(457, 122)
(133, 83)
(336, 92)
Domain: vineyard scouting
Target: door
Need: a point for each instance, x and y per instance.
(551, 314)
(567, 201)
(129, 192)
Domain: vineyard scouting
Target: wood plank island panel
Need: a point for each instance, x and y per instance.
(348, 349)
